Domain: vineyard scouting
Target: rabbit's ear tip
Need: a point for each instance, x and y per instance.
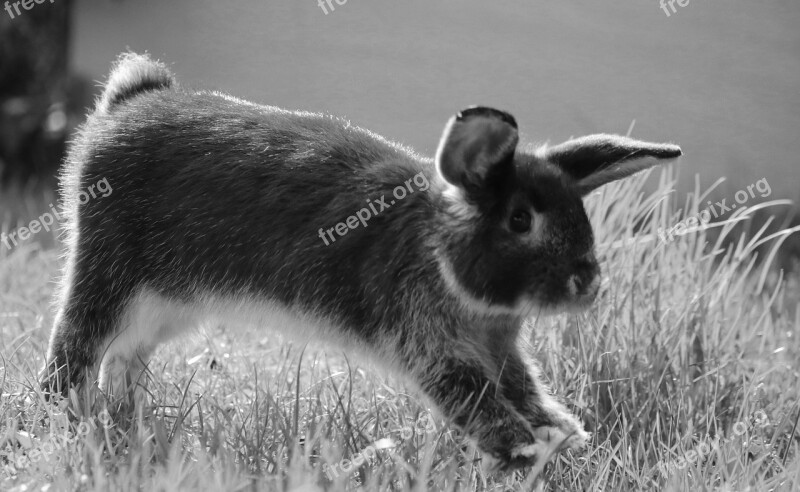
(486, 112)
(666, 151)
(674, 151)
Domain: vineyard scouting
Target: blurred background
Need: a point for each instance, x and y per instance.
(719, 77)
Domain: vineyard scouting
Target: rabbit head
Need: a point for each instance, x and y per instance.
(516, 235)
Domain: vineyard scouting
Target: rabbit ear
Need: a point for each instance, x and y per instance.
(476, 143)
(599, 159)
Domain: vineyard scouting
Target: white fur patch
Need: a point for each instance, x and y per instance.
(151, 319)
(540, 450)
(568, 432)
(457, 204)
(489, 463)
(572, 285)
(558, 439)
(473, 303)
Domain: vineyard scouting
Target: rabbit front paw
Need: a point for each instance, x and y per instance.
(568, 433)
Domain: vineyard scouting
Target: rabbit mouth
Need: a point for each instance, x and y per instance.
(577, 294)
(571, 302)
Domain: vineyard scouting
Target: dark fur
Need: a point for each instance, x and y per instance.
(222, 196)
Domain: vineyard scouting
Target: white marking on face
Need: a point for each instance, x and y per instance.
(572, 285)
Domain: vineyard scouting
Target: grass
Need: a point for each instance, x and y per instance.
(685, 370)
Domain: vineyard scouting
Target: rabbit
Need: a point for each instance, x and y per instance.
(230, 210)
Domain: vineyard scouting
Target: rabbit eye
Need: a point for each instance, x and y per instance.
(520, 221)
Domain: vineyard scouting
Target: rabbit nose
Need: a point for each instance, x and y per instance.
(584, 285)
(586, 282)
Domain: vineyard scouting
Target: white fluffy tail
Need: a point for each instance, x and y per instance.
(133, 74)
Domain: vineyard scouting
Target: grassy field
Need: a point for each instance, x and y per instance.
(685, 371)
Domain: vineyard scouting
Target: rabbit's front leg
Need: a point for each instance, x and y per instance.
(467, 395)
(552, 422)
